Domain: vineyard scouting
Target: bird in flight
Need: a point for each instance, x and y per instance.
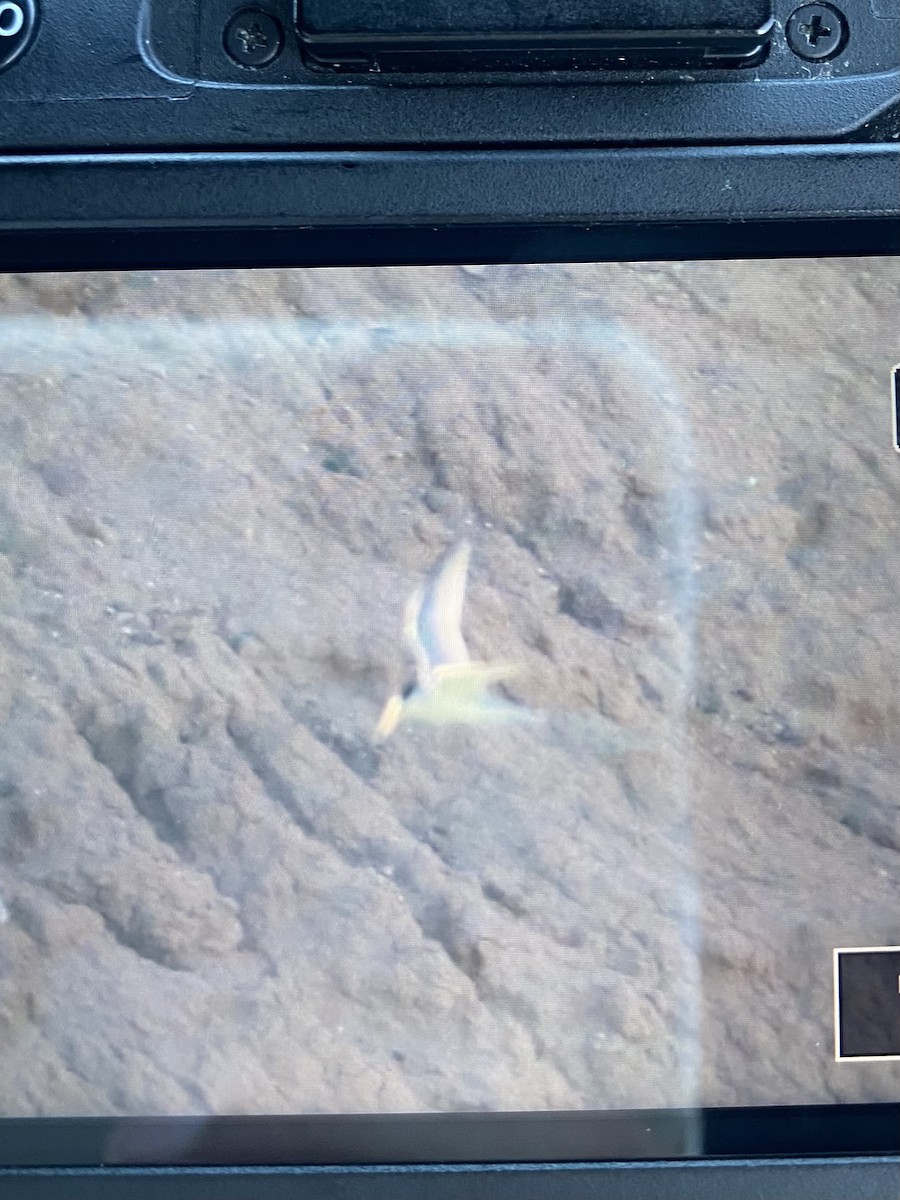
(449, 687)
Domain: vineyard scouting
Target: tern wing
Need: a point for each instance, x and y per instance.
(440, 612)
(411, 635)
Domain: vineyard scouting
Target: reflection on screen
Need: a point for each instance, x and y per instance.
(444, 688)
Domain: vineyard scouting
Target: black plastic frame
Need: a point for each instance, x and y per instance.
(194, 248)
(795, 1179)
(857, 1130)
(153, 75)
(183, 210)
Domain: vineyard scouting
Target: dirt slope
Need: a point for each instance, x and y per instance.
(216, 493)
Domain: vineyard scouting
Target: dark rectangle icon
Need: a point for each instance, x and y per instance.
(867, 1004)
(895, 393)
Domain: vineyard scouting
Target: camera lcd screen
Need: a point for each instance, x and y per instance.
(447, 689)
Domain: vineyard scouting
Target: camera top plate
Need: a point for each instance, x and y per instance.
(99, 77)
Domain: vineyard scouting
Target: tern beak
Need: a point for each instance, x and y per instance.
(389, 719)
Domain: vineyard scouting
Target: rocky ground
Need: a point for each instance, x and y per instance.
(219, 894)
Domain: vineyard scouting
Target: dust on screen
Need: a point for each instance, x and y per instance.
(444, 688)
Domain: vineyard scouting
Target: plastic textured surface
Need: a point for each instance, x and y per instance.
(410, 188)
(737, 1180)
(702, 202)
(106, 76)
(436, 15)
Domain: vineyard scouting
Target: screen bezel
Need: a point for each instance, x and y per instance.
(820, 1150)
(249, 247)
(183, 211)
(838, 1130)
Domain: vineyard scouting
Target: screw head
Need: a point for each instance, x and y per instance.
(253, 38)
(816, 31)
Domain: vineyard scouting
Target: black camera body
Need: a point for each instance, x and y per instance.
(246, 133)
(367, 131)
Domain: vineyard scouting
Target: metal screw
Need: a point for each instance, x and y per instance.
(816, 31)
(253, 38)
